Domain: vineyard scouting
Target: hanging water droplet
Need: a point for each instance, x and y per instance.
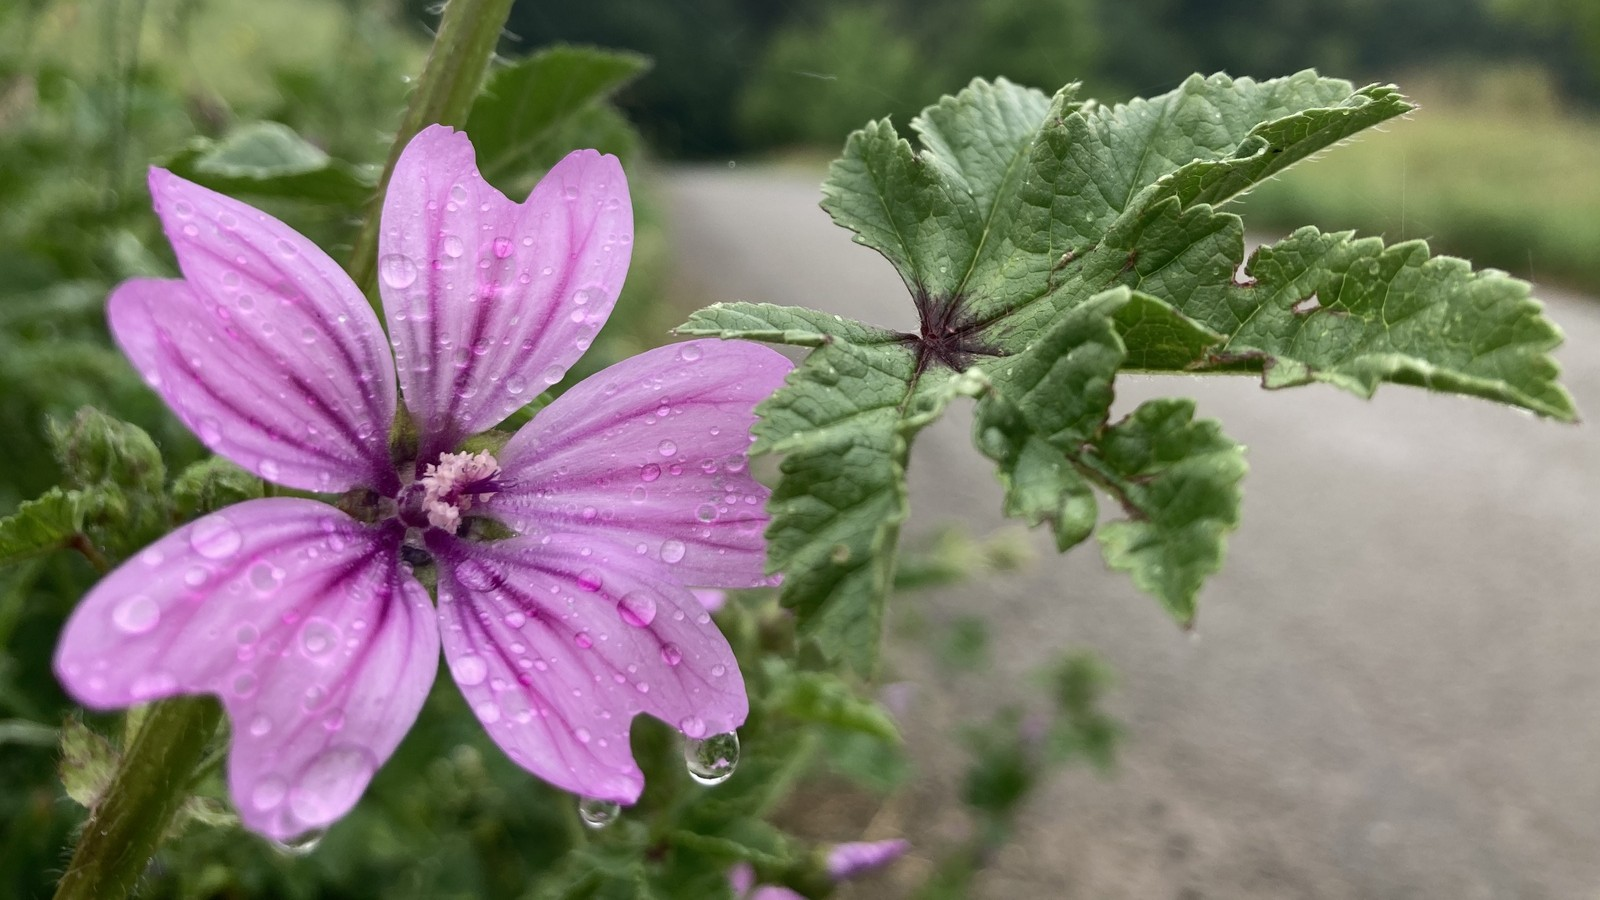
(597, 814)
(301, 845)
(397, 270)
(711, 760)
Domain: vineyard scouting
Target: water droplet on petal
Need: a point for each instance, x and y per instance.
(260, 725)
(689, 353)
(671, 655)
(667, 448)
(214, 537)
(488, 712)
(650, 473)
(452, 246)
(713, 759)
(583, 640)
(589, 580)
(397, 270)
(597, 814)
(469, 670)
(552, 374)
(269, 792)
(319, 637)
(136, 615)
(673, 551)
(516, 384)
(331, 783)
(637, 608)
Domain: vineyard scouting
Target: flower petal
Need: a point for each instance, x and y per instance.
(651, 453)
(490, 302)
(557, 642)
(266, 350)
(298, 618)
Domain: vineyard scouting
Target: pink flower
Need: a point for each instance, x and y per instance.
(304, 618)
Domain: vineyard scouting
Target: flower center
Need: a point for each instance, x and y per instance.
(450, 487)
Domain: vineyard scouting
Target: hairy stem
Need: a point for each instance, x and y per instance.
(150, 784)
(468, 32)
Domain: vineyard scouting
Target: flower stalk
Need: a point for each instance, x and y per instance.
(462, 50)
(151, 783)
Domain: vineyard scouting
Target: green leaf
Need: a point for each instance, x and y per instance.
(87, 763)
(1178, 480)
(792, 325)
(268, 159)
(42, 525)
(525, 106)
(1354, 312)
(826, 699)
(211, 484)
(1048, 244)
(836, 513)
(95, 449)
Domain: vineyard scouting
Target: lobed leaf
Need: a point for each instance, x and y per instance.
(268, 159)
(42, 525)
(524, 106)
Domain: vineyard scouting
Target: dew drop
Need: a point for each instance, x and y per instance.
(214, 537)
(260, 725)
(502, 247)
(469, 670)
(319, 637)
(673, 551)
(689, 353)
(667, 448)
(516, 384)
(597, 814)
(136, 615)
(452, 246)
(269, 792)
(398, 270)
(650, 473)
(488, 712)
(589, 580)
(330, 785)
(552, 374)
(637, 608)
(265, 577)
(583, 640)
(711, 760)
(302, 845)
(671, 655)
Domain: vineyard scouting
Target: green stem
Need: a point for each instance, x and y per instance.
(149, 786)
(468, 33)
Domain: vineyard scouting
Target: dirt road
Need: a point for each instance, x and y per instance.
(1394, 691)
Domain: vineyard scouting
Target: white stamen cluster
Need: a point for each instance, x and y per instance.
(444, 499)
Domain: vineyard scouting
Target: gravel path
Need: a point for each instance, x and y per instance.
(1394, 689)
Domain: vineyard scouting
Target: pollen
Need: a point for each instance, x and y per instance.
(452, 485)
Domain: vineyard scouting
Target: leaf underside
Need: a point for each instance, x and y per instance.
(1049, 243)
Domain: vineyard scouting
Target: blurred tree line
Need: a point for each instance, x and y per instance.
(736, 75)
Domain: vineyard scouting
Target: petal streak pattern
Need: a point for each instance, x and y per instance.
(266, 350)
(558, 642)
(299, 619)
(651, 453)
(489, 302)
